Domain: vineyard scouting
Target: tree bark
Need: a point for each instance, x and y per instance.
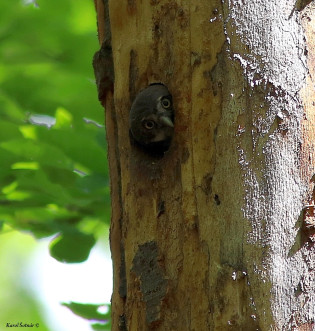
(218, 234)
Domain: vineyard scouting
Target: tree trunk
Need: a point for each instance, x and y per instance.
(218, 234)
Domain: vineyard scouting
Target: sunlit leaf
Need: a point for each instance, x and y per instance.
(10, 188)
(25, 165)
(63, 118)
(28, 131)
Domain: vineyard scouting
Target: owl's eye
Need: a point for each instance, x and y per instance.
(166, 103)
(148, 124)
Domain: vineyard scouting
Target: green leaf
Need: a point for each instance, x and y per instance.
(73, 247)
(63, 118)
(101, 327)
(89, 311)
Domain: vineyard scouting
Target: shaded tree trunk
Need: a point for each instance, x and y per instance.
(218, 233)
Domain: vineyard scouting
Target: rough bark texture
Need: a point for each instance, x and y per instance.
(219, 233)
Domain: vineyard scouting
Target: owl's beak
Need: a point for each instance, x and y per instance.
(166, 121)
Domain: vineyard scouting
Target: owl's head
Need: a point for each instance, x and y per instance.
(152, 117)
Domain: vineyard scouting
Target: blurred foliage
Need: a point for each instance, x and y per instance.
(92, 312)
(53, 175)
(53, 167)
(17, 303)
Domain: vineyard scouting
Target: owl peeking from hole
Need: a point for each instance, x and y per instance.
(151, 119)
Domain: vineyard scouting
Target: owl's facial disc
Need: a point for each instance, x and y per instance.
(157, 127)
(151, 119)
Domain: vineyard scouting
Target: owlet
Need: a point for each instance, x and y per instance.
(152, 118)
